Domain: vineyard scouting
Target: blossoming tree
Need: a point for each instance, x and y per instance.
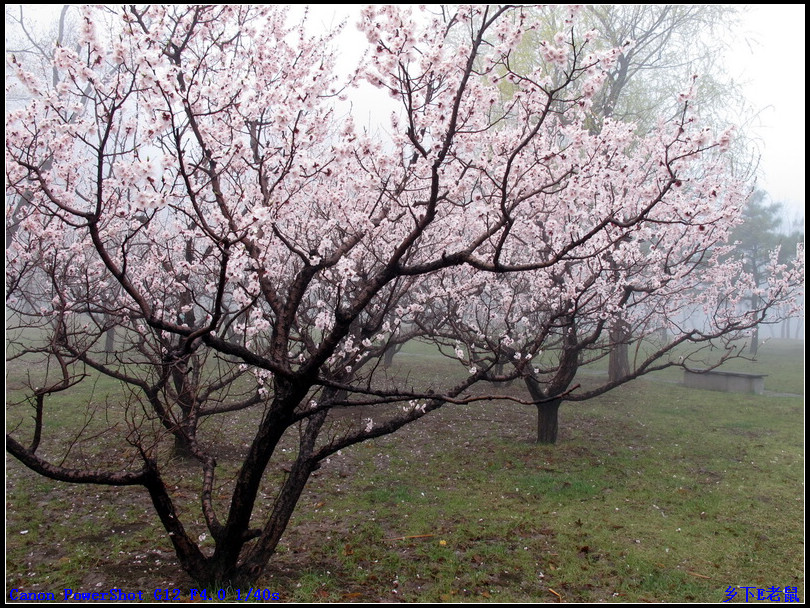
(192, 183)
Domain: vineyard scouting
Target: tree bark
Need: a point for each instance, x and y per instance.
(547, 423)
(192, 560)
(109, 341)
(182, 447)
(388, 358)
(754, 303)
(547, 395)
(187, 433)
(547, 420)
(619, 361)
(754, 341)
(259, 555)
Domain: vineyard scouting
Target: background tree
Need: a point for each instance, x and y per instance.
(203, 192)
(758, 237)
(547, 330)
(668, 46)
(28, 46)
(793, 228)
(663, 49)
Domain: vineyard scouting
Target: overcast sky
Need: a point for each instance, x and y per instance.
(769, 58)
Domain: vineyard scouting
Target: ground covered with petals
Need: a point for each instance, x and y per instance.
(655, 492)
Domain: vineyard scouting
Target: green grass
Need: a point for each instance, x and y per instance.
(654, 492)
(778, 359)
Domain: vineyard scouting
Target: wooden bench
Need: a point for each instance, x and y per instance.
(730, 382)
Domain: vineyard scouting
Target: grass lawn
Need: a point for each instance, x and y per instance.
(654, 493)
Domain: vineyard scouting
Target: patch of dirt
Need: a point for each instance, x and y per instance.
(153, 569)
(116, 542)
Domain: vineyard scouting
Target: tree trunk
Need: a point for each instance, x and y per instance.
(182, 447)
(192, 560)
(619, 361)
(188, 406)
(259, 555)
(226, 566)
(546, 395)
(109, 341)
(388, 357)
(547, 423)
(754, 304)
(226, 569)
(499, 370)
